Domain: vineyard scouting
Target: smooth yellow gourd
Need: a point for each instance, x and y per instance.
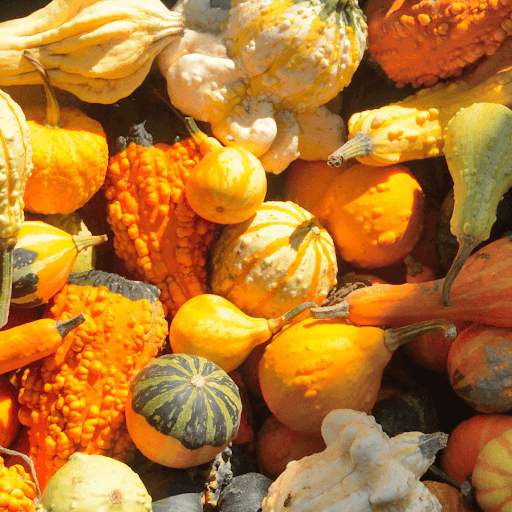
(211, 326)
(477, 150)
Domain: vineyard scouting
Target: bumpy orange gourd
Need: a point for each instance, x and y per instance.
(70, 155)
(17, 489)
(315, 366)
(156, 232)
(420, 42)
(375, 215)
(74, 399)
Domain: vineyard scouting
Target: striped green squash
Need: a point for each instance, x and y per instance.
(43, 258)
(182, 410)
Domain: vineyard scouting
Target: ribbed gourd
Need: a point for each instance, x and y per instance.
(182, 410)
(74, 399)
(279, 258)
(100, 51)
(43, 259)
(15, 169)
(477, 150)
(414, 128)
(156, 233)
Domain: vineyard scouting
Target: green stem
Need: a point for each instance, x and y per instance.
(396, 337)
(466, 245)
(84, 241)
(6, 264)
(275, 324)
(198, 136)
(359, 145)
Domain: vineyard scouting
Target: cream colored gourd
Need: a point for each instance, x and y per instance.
(362, 469)
(211, 326)
(99, 50)
(15, 169)
(477, 150)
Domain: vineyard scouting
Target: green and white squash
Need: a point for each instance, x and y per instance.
(182, 410)
(94, 482)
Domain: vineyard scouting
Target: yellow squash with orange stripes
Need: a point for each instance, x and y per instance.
(43, 258)
(279, 258)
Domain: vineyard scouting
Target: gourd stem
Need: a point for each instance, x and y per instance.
(359, 145)
(84, 241)
(340, 310)
(28, 460)
(205, 143)
(275, 324)
(52, 107)
(466, 245)
(430, 444)
(65, 326)
(6, 262)
(393, 338)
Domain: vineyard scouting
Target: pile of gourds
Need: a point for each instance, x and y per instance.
(223, 249)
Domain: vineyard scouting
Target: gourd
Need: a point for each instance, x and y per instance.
(186, 502)
(228, 184)
(15, 168)
(19, 492)
(182, 410)
(466, 441)
(211, 326)
(375, 216)
(362, 469)
(9, 407)
(156, 233)
(491, 475)
(34, 340)
(449, 497)
(96, 481)
(43, 259)
(263, 72)
(73, 400)
(244, 493)
(415, 42)
(274, 261)
(70, 153)
(478, 364)
(100, 51)
(414, 128)
(314, 366)
(480, 164)
(480, 294)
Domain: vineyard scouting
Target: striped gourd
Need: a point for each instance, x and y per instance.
(182, 410)
(42, 261)
(274, 261)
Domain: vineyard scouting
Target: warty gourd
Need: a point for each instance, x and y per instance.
(361, 470)
(261, 73)
(99, 50)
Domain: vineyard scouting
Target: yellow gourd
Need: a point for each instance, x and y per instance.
(211, 326)
(315, 366)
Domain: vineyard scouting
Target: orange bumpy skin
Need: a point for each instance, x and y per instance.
(422, 41)
(17, 489)
(156, 233)
(74, 399)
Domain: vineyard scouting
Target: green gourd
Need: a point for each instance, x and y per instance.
(477, 150)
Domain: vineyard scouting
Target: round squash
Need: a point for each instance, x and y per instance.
(274, 261)
(182, 410)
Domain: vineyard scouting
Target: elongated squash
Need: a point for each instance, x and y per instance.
(413, 128)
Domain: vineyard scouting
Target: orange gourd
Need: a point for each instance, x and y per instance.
(375, 215)
(449, 497)
(159, 237)
(18, 490)
(70, 154)
(481, 293)
(420, 42)
(466, 441)
(228, 184)
(9, 406)
(315, 366)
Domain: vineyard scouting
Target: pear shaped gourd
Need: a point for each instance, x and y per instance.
(477, 150)
(211, 326)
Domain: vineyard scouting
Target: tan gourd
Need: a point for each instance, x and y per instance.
(99, 50)
(211, 326)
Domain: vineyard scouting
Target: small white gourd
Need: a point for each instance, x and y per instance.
(94, 482)
(361, 470)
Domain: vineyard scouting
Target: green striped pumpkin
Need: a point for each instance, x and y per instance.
(182, 410)
(43, 258)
